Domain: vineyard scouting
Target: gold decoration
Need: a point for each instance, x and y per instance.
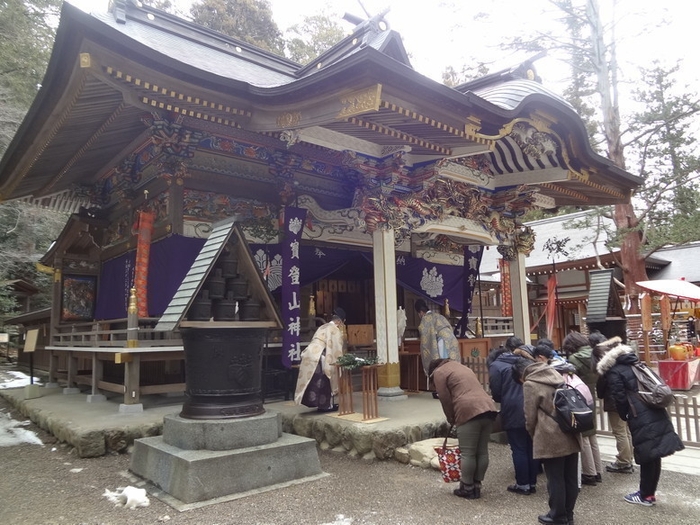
(524, 241)
(85, 60)
(133, 309)
(312, 306)
(362, 101)
(288, 119)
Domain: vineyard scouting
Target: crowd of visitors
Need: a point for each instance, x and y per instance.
(523, 379)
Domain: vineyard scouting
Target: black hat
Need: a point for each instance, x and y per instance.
(339, 312)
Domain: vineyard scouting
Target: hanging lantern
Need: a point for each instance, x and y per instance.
(447, 308)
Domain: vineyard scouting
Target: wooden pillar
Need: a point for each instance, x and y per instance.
(56, 296)
(518, 290)
(53, 368)
(72, 370)
(132, 378)
(97, 373)
(384, 258)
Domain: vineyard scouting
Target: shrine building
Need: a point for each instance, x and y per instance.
(151, 129)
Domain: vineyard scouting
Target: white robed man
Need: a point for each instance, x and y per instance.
(317, 384)
(437, 338)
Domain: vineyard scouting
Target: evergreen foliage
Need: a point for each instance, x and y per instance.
(26, 233)
(247, 20)
(312, 37)
(27, 29)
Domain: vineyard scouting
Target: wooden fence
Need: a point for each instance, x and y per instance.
(684, 412)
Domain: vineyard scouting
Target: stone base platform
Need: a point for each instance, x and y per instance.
(199, 460)
(199, 475)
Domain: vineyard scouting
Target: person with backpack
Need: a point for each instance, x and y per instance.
(557, 450)
(653, 435)
(575, 345)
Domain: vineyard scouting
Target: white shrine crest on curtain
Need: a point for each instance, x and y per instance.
(432, 283)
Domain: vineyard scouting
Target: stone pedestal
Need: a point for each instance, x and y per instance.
(199, 460)
(32, 391)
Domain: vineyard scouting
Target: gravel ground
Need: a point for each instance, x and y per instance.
(49, 485)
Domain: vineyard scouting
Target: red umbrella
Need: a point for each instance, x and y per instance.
(673, 287)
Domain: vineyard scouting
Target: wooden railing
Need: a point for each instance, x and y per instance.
(112, 334)
(685, 416)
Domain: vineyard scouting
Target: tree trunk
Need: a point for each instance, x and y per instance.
(631, 258)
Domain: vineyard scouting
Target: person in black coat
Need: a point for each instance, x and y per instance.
(653, 435)
(624, 459)
(509, 393)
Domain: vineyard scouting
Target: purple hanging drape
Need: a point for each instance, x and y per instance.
(170, 260)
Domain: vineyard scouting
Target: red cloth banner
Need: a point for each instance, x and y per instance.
(144, 232)
(507, 300)
(551, 304)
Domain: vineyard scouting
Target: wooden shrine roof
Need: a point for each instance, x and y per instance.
(112, 74)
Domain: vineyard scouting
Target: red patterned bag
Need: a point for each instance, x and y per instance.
(450, 459)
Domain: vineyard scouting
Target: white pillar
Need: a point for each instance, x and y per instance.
(385, 288)
(384, 258)
(518, 289)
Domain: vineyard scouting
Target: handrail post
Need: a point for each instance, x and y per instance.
(132, 321)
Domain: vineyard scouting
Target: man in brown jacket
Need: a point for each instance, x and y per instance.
(557, 451)
(471, 411)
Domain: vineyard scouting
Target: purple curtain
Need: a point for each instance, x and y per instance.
(172, 257)
(170, 261)
(316, 263)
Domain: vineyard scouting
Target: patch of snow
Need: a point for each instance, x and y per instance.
(130, 497)
(17, 379)
(340, 520)
(12, 434)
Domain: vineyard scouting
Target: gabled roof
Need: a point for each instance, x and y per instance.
(683, 263)
(583, 244)
(109, 75)
(374, 33)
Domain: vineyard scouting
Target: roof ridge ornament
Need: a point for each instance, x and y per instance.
(118, 8)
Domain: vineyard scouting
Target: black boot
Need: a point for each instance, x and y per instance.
(465, 491)
(477, 489)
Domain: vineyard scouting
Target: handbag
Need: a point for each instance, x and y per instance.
(450, 459)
